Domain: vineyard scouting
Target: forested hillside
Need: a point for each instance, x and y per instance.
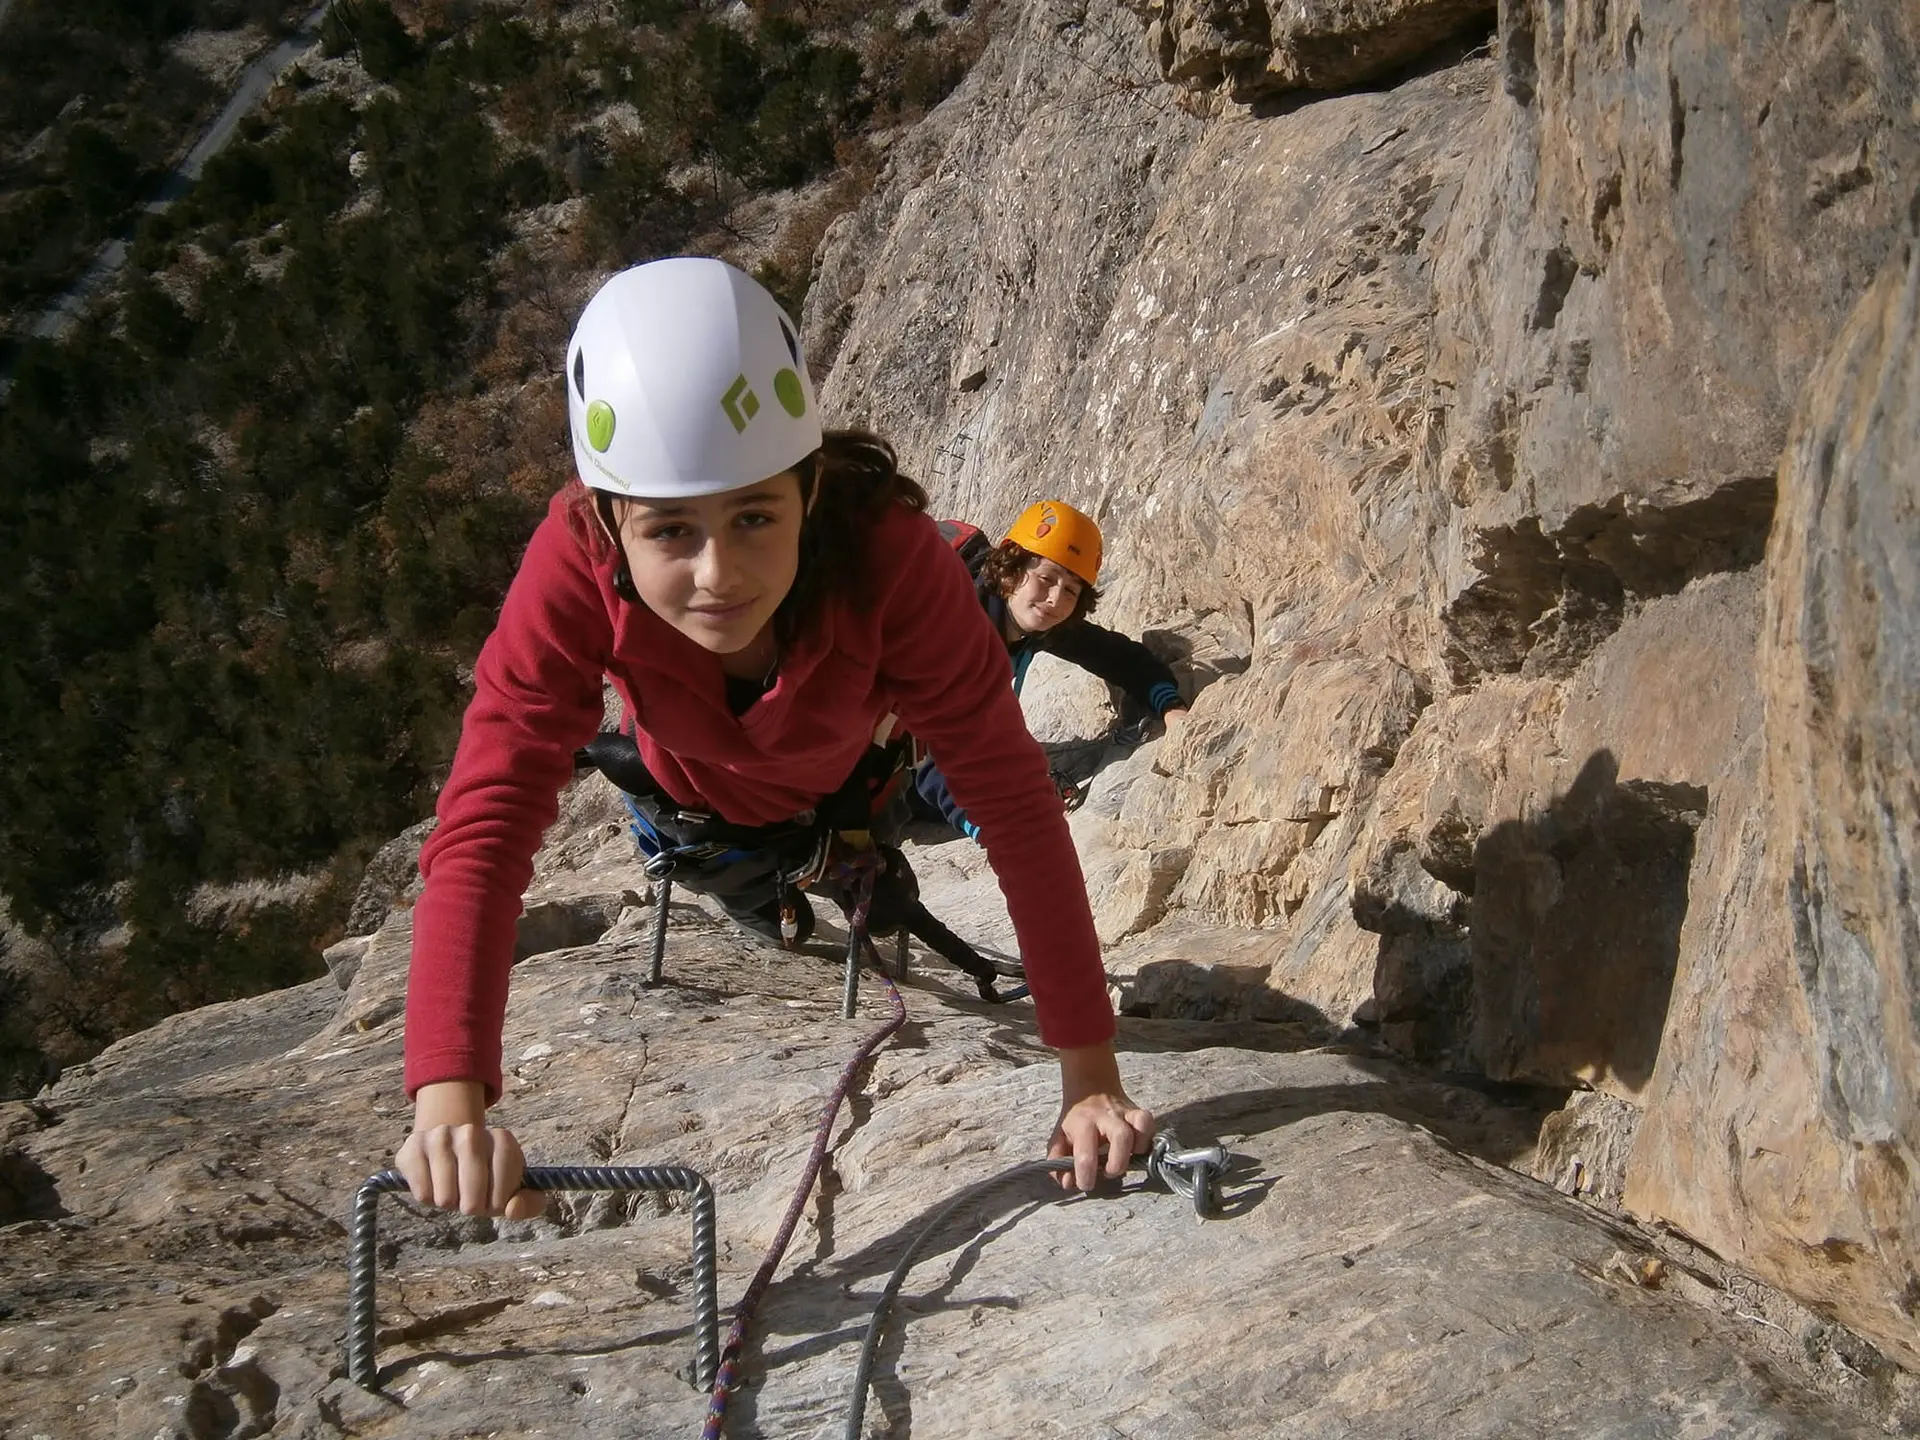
(97, 99)
(261, 504)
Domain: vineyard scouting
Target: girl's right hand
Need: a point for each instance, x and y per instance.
(454, 1161)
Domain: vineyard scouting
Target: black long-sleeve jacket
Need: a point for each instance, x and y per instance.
(1118, 659)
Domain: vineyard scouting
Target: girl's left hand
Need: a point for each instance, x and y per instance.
(1107, 1122)
(1096, 1115)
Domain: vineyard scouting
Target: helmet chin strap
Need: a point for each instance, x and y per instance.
(604, 511)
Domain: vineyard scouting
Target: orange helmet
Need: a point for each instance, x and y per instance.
(1058, 532)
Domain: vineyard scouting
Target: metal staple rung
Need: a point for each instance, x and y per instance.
(706, 1305)
(850, 996)
(662, 899)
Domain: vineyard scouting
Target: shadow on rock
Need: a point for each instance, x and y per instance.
(673, 1337)
(26, 1191)
(1544, 949)
(1575, 922)
(1178, 989)
(1154, 1036)
(1494, 1123)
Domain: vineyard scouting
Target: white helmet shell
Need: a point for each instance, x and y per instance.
(685, 377)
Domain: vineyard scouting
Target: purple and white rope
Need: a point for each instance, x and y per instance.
(861, 869)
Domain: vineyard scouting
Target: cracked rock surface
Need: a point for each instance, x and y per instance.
(1372, 1269)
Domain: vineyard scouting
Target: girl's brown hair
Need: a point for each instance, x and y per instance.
(851, 479)
(1002, 571)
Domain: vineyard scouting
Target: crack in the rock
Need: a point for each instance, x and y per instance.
(311, 1210)
(830, 1187)
(859, 1112)
(444, 1322)
(626, 1106)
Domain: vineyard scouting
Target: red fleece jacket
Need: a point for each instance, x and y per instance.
(924, 651)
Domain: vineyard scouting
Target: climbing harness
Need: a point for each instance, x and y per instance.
(1187, 1172)
(706, 1305)
(713, 857)
(921, 924)
(917, 920)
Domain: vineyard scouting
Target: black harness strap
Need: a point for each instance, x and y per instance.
(799, 848)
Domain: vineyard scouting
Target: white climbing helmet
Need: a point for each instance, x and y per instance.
(685, 377)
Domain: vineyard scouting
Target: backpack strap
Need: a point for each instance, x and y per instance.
(969, 542)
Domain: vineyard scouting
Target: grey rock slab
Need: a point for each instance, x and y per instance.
(1364, 1276)
(1363, 1279)
(213, 1039)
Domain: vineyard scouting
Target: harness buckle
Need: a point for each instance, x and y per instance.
(809, 872)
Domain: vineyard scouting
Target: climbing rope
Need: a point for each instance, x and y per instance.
(706, 1305)
(859, 869)
(1187, 1172)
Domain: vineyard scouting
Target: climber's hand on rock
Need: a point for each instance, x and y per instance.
(1172, 724)
(454, 1161)
(1095, 1117)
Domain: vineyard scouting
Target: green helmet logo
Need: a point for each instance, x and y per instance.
(600, 425)
(787, 389)
(740, 403)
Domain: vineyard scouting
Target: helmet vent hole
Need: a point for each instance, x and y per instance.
(580, 374)
(793, 343)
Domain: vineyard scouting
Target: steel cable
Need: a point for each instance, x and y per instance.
(861, 869)
(1165, 1162)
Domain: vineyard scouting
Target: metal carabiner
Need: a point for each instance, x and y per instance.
(1187, 1172)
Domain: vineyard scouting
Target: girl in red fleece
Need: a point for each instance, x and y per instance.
(762, 594)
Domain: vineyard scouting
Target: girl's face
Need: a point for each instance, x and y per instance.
(716, 567)
(1044, 596)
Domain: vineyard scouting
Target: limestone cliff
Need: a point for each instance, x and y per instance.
(1517, 452)
(1561, 722)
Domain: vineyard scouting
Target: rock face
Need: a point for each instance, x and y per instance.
(1553, 692)
(1258, 50)
(1573, 743)
(1819, 992)
(1842, 660)
(171, 1261)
